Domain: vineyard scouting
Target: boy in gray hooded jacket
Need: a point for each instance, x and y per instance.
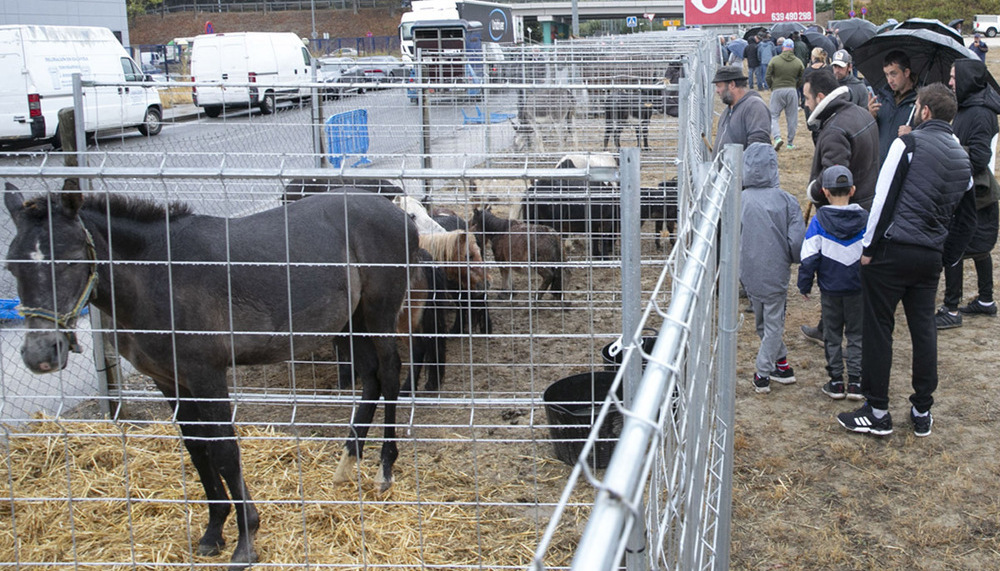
(770, 241)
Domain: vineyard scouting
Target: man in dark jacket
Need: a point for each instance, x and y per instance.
(924, 176)
(746, 118)
(892, 105)
(976, 127)
(843, 68)
(753, 59)
(847, 135)
(801, 48)
(979, 47)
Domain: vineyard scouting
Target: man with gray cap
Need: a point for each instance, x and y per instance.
(746, 118)
(843, 68)
(783, 75)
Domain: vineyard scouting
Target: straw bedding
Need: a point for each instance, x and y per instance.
(136, 500)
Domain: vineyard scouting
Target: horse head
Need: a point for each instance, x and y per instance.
(52, 259)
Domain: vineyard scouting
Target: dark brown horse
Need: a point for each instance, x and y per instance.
(194, 295)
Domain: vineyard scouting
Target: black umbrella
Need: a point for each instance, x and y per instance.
(931, 55)
(753, 32)
(785, 29)
(933, 25)
(956, 22)
(854, 32)
(817, 40)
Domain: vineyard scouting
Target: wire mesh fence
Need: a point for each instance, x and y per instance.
(103, 478)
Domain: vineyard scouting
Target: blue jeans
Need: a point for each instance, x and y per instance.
(759, 73)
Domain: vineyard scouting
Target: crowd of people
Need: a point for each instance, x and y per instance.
(902, 180)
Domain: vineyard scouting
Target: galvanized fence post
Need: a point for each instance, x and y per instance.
(635, 551)
(105, 361)
(729, 271)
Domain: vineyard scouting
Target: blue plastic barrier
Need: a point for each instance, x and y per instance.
(8, 309)
(347, 134)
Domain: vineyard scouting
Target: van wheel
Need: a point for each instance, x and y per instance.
(267, 104)
(213, 111)
(991, 33)
(152, 123)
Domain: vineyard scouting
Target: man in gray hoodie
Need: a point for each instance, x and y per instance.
(746, 119)
(770, 241)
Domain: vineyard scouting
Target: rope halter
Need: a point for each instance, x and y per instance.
(67, 321)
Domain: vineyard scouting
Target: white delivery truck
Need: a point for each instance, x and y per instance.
(37, 64)
(251, 69)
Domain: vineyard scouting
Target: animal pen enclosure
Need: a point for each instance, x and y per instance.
(102, 477)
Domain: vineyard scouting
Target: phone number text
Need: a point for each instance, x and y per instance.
(791, 17)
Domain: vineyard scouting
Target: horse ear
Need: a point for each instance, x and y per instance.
(71, 202)
(12, 199)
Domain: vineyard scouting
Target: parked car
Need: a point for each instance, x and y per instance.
(374, 69)
(330, 69)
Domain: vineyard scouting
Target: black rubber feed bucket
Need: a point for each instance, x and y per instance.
(572, 405)
(613, 363)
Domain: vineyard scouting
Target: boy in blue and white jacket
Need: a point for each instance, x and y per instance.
(832, 252)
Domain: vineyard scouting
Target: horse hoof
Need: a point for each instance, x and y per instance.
(211, 548)
(384, 486)
(345, 469)
(242, 560)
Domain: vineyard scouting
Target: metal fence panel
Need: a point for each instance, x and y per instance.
(477, 478)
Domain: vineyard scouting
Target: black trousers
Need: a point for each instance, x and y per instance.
(908, 274)
(953, 276)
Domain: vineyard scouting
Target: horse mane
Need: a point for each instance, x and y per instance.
(446, 246)
(135, 208)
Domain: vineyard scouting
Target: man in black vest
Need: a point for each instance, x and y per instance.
(924, 176)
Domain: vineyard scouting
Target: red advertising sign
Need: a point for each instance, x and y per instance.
(709, 12)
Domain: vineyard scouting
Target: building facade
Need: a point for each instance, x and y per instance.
(106, 13)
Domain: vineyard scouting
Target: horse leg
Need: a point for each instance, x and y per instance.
(608, 127)
(435, 369)
(418, 357)
(388, 378)
(212, 542)
(508, 281)
(548, 277)
(215, 413)
(365, 366)
(345, 370)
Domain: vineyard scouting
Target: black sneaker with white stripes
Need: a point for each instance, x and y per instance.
(863, 420)
(921, 424)
(761, 385)
(784, 376)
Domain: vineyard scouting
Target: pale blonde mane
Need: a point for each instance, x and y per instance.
(459, 249)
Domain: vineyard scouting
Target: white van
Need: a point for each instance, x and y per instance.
(988, 24)
(37, 64)
(278, 63)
